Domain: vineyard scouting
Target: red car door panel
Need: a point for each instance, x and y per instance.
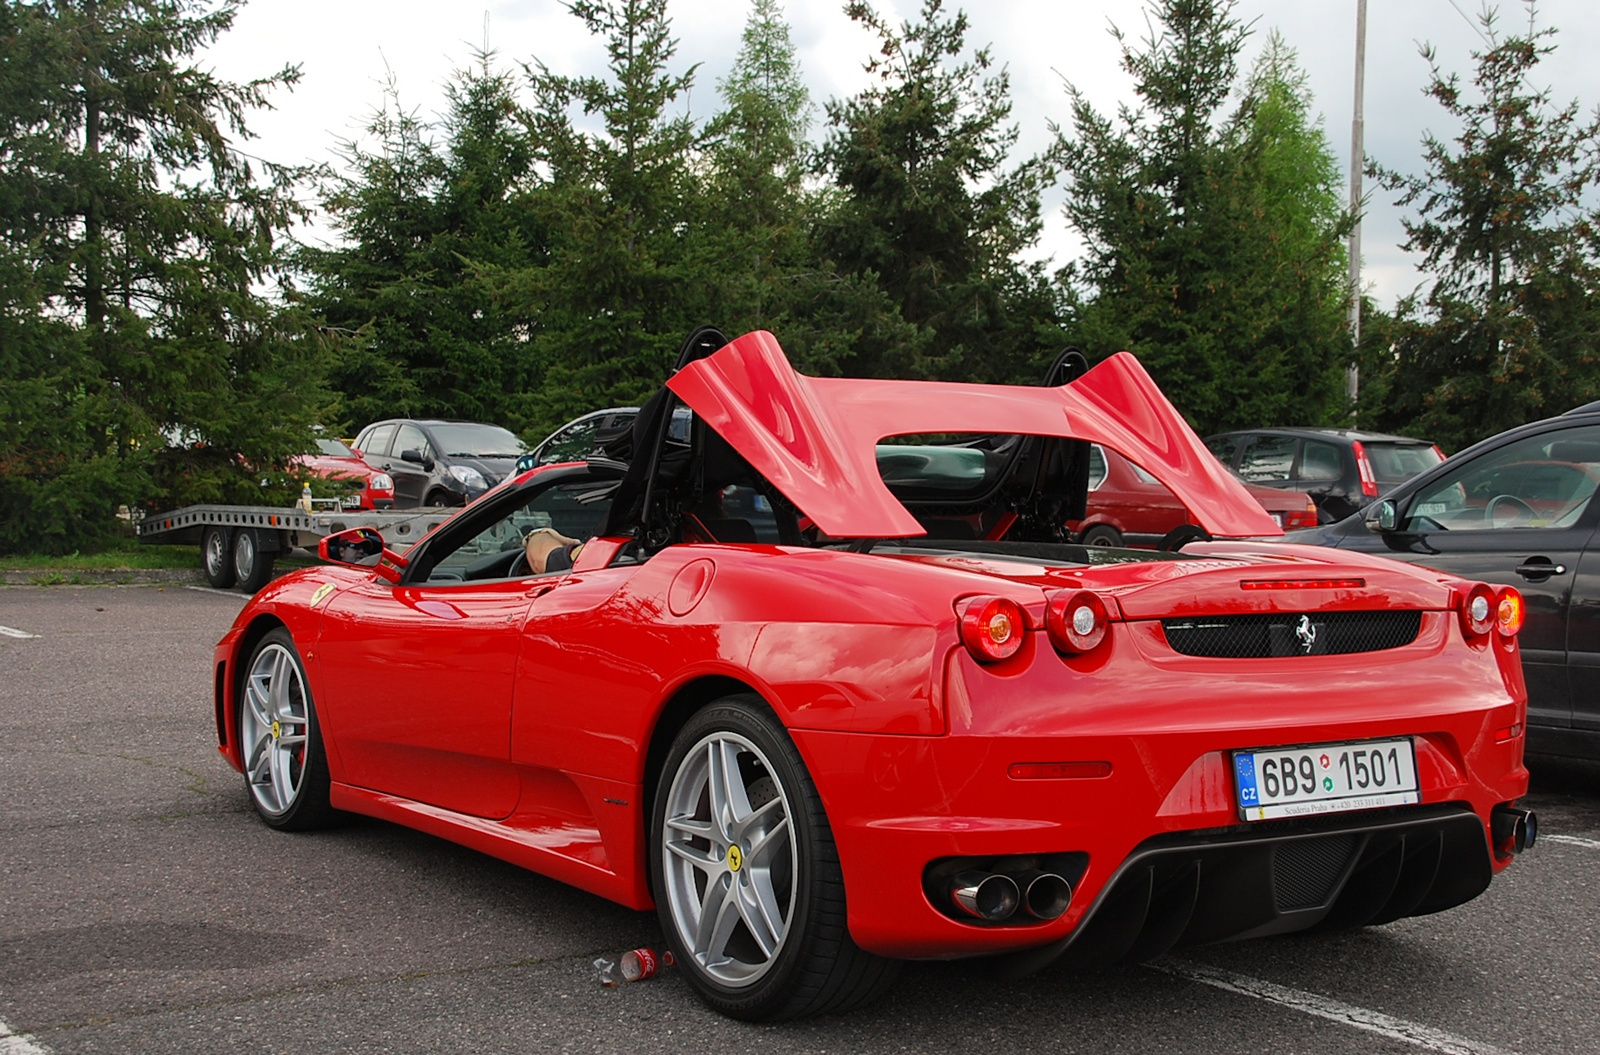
(417, 682)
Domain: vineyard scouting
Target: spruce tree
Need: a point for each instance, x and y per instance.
(143, 363)
(1212, 236)
(1508, 331)
(918, 244)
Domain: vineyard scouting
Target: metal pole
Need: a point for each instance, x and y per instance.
(1352, 377)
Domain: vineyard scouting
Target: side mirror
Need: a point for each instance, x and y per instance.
(362, 547)
(416, 457)
(1382, 516)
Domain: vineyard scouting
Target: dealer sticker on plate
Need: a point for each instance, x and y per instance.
(1325, 778)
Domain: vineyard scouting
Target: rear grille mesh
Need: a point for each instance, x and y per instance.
(1304, 872)
(1291, 634)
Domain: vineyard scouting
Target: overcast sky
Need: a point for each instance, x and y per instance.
(348, 49)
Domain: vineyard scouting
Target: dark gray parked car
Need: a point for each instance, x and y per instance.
(439, 463)
(1516, 509)
(1341, 469)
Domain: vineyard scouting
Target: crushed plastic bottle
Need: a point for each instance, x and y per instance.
(635, 965)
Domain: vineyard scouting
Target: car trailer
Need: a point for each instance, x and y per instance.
(239, 544)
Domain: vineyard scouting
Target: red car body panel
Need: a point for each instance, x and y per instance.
(356, 471)
(815, 438)
(526, 717)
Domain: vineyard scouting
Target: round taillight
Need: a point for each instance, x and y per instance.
(992, 628)
(1508, 612)
(1076, 621)
(1478, 611)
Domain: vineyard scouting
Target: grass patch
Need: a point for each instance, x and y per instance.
(128, 555)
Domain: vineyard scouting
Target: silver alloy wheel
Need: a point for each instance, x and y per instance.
(244, 555)
(273, 728)
(729, 859)
(215, 554)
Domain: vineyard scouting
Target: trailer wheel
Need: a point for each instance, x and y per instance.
(216, 558)
(252, 565)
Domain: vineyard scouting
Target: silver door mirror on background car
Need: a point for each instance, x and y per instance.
(1382, 516)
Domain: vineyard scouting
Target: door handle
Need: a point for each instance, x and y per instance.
(539, 590)
(1539, 568)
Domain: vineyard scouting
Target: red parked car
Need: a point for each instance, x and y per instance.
(880, 737)
(333, 459)
(1129, 507)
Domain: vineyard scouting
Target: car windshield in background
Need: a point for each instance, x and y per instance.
(1394, 463)
(334, 449)
(457, 440)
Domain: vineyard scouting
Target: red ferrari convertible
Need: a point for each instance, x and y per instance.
(829, 686)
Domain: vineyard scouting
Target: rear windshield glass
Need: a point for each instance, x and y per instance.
(1394, 462)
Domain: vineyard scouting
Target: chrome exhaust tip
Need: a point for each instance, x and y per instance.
(1514, 829)
(1045, 895)
(985, 895)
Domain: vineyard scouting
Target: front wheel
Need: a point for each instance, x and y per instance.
(280, 740)
(746, 875)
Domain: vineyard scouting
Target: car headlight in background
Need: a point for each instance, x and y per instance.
(469, 477)
(380, 482)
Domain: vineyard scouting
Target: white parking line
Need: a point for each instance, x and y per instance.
(220, 593)
(1569, 840)
(11, 631)
(18, 1043)
(1336, 1011)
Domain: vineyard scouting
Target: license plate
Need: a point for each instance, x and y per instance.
(1325, 778)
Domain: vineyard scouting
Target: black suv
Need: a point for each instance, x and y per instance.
(439, 463)
(1341, 469)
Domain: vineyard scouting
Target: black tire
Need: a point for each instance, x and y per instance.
(280, 739)
(216, 557)
(438, 500)
(805, 962)
(1101, 535)
(252, 565)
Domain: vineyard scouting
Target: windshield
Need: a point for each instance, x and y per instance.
(334, 449)
(458, 439)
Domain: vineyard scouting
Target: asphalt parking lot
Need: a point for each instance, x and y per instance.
(146, 909)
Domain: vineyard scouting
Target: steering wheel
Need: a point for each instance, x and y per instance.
(501, 565)
(1519, 510)
(519, 565)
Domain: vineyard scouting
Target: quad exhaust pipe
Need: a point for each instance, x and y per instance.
(1513, 829)
(998, 896)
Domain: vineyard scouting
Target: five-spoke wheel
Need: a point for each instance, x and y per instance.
(284, 766)
(746, 875)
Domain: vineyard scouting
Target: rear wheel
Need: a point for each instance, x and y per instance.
(252, 565)
(1101, 535)
(746, 875)
(280, 741)
(216, 558)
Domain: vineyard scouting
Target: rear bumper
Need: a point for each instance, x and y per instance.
(1196, 887)
(1169, 861)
